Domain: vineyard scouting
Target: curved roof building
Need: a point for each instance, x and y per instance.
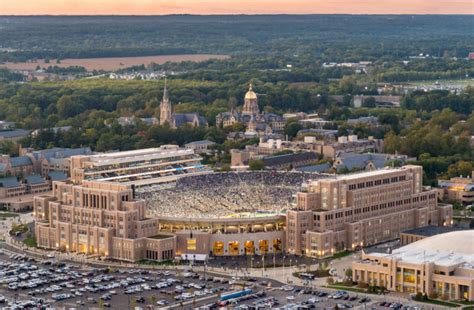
(440, 266)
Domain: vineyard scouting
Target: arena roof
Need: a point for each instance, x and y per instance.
(447, 249)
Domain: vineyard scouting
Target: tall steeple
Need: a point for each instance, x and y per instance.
(166, 113)
(165, 92)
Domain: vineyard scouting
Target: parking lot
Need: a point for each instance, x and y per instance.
(26, 283)
(29, 283)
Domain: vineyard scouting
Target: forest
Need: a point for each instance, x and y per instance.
(326, 37)
(282, 56)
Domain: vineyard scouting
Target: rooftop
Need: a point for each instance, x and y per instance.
(201, 142)
(20, 161)
(364, 174)
(138, 155)
(452, 248)
(15, 133)
(429, 231)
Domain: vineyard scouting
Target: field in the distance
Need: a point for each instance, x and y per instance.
(112, 63)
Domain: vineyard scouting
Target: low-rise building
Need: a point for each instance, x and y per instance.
(15, 166)
(380, 101)
(439, 266)
(55, 130)
(39, 162)
(13, 134)
(413, 235)
(364, 120)
(6, 125)
(460, 189)
(367, 161)
(351, 144)
(199, 146)
(16, 194)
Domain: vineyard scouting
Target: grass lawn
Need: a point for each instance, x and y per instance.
(445, 82)
(320, 273)
(4, 215)
(441, 303)
(156, 263)
(348, 288)
(466, 302)
(340, 255)
(30, 241)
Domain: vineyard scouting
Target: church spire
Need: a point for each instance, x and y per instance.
(166, 113)
(165, 92)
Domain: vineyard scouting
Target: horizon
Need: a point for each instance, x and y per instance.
(229, 7)
(236, 14)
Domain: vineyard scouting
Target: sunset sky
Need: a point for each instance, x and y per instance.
(159, 7)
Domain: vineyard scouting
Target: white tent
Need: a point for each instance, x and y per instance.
(194, 257)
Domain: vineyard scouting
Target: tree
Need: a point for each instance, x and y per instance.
(256, 164)
(369, 102)
(348, 273)
(392, 143)
(291, 128)
(461, 168)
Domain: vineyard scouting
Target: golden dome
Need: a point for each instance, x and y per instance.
(250, 94)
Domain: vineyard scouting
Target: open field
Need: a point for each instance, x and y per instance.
(461, 82)
(111, 63)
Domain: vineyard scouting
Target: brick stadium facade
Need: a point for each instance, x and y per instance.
(334, 214)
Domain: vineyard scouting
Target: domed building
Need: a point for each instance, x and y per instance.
(440, 265)
(256, 123)
(250, 103)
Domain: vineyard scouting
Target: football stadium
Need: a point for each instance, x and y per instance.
(228, 213)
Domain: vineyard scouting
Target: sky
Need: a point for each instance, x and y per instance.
(161, 7)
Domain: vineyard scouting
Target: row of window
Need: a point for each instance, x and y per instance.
(377, 182)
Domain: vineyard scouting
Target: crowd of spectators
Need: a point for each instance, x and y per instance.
(226, 194)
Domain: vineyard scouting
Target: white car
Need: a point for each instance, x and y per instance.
(290, 298)
(287, 288)
(313, 300)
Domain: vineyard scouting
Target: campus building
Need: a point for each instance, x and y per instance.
(460, 189)
(256, 123)
(99, 218)
(104, 219)
(137, 167)
(439, 266)
(346, 212)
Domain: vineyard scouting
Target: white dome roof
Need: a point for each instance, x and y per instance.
(459, 242)
(446, 249)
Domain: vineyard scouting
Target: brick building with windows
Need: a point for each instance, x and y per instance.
(99, 218)
(355, 210)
